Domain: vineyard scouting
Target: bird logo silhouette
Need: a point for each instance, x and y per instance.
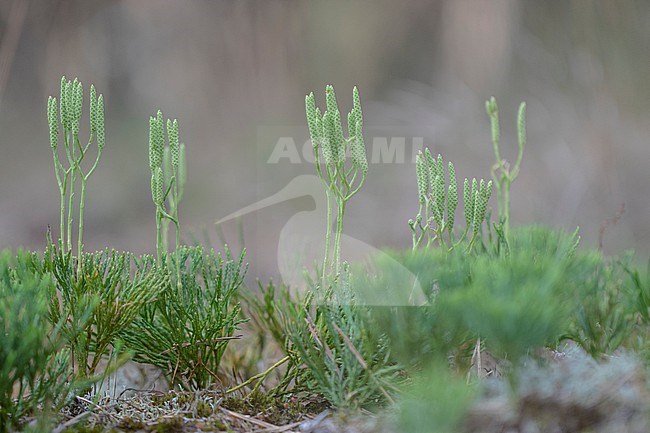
(379, 279)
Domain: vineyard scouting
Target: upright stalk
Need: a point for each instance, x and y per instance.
(339, 231)
(81, 226)
(159, 238)
(165, 234)
(168, 176)
(437, 203)
(70, 109)
(340, 179)
(97, 128)
(177, 246)
(328, 233)
(73, 164)
(502, 174)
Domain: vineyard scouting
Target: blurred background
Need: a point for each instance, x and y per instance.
(235, 73)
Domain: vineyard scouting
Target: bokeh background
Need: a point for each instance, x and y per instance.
(235, 74)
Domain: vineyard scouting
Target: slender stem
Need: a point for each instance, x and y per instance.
(461, 239)
(62, 227)
(506, 208)
(334, 189)
(158, 236)
(56, 169)
(328, 234)
(81, 225)
(471, 243)
(73, 165)
(426, 228)
(63, 186)
(328, 187)
(92, 169)
(165, 221)
(258, 376)
(339, 231)
(70, 206)
(423, 231)
(90, 140)
(356, 190)
(177, 226)
(415, 236)
(165, 234)
(178, 262)
(82, 207)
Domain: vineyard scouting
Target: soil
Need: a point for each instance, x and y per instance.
(567, 393)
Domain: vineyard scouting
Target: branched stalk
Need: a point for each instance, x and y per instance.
(439, 211)
(340, 179)
(438, 201)
(168, 176)
(502, 174)
(70, 109)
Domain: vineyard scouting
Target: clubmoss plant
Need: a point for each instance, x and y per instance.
(502, 174)
(637, 290)
(174, 172)
(438, 202)
(514, 303)
(34, 371)
(342, 180)
(272, 310)
(103, 301)
(640, 288)
(605, 318)
(343, 362)
(327, 347)
(71, 104)
(186, 330)
(168, 178)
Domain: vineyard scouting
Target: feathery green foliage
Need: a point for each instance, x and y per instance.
(71, 103)
(603, 320)
(516, 302)
(328, 347)
(343, 363)
(342, 180)
(186, 330)
(640, 289)
(103, 301)
(637, 291)
(271, 311)
(34, 372)
(435, 401)
(417, 335)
